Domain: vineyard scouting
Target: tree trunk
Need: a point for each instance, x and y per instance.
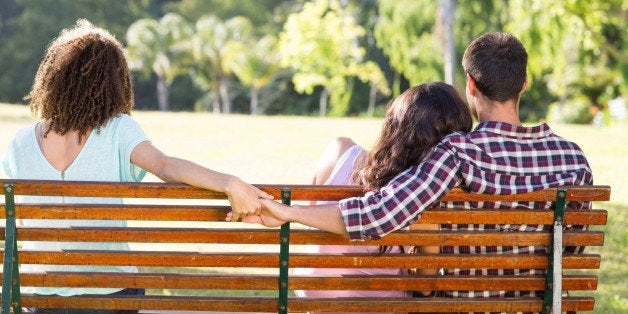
(322, 103)
(216, 98)
(447, 10)
(254, 100)
(162, 93)
(224, 95)
(372, 95)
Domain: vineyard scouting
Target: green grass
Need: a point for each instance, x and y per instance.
(286, 149)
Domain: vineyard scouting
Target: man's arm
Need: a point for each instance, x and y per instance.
(323, 217)
(404, 198)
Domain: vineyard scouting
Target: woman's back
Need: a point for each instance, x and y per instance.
(102, 156)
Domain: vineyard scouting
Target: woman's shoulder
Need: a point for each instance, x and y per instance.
(332, 155)
(121, 121)
(24, 134)
(339, 145)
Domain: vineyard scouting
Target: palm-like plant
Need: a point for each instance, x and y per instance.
(160, 47)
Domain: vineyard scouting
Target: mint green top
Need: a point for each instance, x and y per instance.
(106, 156)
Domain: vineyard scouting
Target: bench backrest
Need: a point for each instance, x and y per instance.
(190, 259)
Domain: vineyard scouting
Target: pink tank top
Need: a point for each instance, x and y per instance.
(341, 175)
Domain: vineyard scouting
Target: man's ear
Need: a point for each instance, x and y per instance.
(470, 85)
(525, 84)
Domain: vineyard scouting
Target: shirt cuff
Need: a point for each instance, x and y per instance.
(352, 216)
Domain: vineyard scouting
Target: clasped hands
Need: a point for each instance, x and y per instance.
(272, 214)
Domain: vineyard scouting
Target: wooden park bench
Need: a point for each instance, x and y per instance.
(189, 259)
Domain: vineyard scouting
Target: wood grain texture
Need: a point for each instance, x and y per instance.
(190, 259)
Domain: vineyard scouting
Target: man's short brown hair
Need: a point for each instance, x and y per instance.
(497, 63)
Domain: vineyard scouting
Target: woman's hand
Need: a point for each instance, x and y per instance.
(244, 198)
(273, 214)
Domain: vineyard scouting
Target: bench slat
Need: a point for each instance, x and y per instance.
(268, 304)
(266, 236)
(299, 192)
(201, 259)
(510, 216)
(269, 282)
(218, 213)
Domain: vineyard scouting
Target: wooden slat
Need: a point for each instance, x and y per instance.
(299, 192)
(574, 193)
(112, 189)
(268, 304)
(201, 259)
(217, 213)
(511, 216)
(269, 282)
(439, 305)
(121, 212)
(269, 236)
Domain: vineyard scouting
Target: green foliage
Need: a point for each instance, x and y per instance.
(344, 49)
(405, 32)
(590, 66)
(577, 111)
(159, 46)
(28, 26)
(214, 46)
(320, 44)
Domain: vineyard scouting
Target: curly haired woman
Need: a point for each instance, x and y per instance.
(413, 125)
(83, 95)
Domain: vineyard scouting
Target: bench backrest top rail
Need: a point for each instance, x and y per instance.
(299, 192)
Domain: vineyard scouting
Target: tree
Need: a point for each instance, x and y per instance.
(158, 46)
(593, 65)
(320, 45)
(213, 44)
(405, 32)
(446, 12)
(28, 26)
(255, 64)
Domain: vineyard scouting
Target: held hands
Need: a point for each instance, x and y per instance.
(272, 214)
(245, 199)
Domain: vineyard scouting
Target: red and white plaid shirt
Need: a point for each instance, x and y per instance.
(495, 158)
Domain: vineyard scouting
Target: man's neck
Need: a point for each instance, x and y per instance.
(501, 112)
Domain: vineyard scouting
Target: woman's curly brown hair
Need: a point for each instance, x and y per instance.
(82, 81)
(414, 123)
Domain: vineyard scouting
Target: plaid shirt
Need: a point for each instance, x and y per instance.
(495, 158)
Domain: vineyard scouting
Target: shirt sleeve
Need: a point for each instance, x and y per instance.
(7, 160)
(130, 135)
(403, 199)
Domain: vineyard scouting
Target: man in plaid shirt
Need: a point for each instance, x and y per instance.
(500, 156)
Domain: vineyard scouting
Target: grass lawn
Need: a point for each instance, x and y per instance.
(286, 149)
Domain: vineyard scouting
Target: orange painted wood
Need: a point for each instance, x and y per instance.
(122, 212)
(218, 213)
(269, 282)
(511, 216)
(442, 305)
(177, 270)
(268, 304)
(268, 236)
(299, 192)
(202, 259)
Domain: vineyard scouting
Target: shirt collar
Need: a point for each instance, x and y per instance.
(520, 132)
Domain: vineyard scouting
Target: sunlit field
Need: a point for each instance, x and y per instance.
(286, 149)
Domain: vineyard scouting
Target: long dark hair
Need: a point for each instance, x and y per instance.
(414, 123)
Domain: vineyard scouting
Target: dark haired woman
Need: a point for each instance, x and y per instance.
(83, 95)
(414, 123)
